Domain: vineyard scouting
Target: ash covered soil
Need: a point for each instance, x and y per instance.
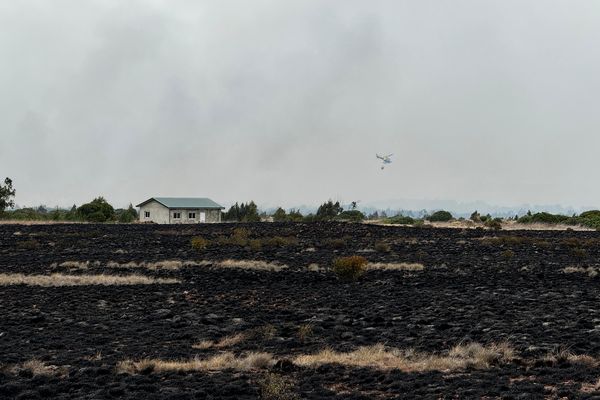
(477, 286)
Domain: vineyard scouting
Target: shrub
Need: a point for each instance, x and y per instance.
(508, 254)
(495, 224)
(400, 219)
(349, 268)
(382, 247)
(279, 241)
(544, 218)
(239, 237)
(335, 243)
(304, 331)
(199, 243)
(440, 216)
(351, 215)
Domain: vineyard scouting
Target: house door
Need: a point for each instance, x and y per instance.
(202, 217)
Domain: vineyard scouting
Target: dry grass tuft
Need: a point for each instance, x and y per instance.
(166, 264)
(224, 361)
(55, 280)
(590, 271)
(252, 265)
(395, 266)
(566, 356)
(227, 341)
(40, 368)
(379, 357)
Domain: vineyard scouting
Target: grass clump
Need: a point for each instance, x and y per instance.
(276, 387)
(220, 362)
(305, 331)
(349, 268)
(199, 243)
(508, 254)
(382, 247)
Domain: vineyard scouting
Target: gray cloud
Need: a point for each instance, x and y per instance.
(287, 102)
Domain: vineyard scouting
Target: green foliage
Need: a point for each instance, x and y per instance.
(400, 219)
(280, 215)
(475, 216)
(349, 269)
(329, 210)
(543, 217)
(440, 216)
(126, 216)
(98, 210)
(293, 216)
(244, 212)
(495, 224)
(351, 215)
(6, 195)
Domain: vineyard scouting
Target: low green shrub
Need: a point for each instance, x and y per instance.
(440, 216)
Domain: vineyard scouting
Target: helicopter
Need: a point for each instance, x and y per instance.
(385, 159)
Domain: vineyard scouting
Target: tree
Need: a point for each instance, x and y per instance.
(98, 210)
(329, 210)
(242, 212)
(475, 216)
(127, 216)
(280, 215)
(6, 194)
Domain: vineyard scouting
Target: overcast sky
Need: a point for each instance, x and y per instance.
(287, 102)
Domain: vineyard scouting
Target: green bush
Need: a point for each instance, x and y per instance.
(98, 210)
(349, 268)
(400, 219)
(544, 218)
(495, 224)
(440, 216)
(351, 215)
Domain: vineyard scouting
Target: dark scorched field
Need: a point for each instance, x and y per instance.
(477, 286)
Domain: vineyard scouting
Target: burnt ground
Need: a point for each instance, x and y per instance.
(473, 289)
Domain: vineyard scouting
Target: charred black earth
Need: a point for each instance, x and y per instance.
(536, 291)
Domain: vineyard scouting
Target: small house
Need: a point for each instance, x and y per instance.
(180, 210)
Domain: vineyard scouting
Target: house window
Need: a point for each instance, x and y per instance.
(192, 215)
(147, 214)
(176, 215)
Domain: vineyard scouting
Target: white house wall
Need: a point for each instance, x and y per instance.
(158, 213)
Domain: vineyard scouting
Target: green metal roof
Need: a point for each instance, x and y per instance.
(184, 202)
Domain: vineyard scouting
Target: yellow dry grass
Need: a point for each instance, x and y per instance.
(166, 264)
(251, 264)
(227, 341)
(395, 266)
(40, 368)
(382, 358)
(54, 280)
(590, 271)
(224, 361)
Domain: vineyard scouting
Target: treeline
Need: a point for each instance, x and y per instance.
(97, 210)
